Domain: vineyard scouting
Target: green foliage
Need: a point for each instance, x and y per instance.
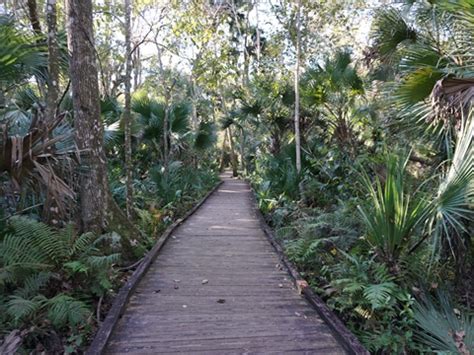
(390, 31)
(442, 327)
(455, 195)
(49, 274)
(19, 56)
(179, 183)
(392, 217)
(205, 136)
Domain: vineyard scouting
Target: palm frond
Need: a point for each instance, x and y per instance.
(21, 55)
(205, 136)
(393, 216)
(179, 118)
(441, 329)
(390, 31)
(453, 205)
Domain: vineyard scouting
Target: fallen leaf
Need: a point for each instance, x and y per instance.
(301, 285)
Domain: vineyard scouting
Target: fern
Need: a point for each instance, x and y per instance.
(38, 236)
(102, 261)
(65, 310)
(33, 284)
(20, 308)
(379, 295)
(17, 252)
(80, 244)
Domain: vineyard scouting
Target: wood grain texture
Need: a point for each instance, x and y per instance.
(219, 287)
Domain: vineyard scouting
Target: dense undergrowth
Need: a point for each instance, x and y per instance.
(56, 285)
(369, 250)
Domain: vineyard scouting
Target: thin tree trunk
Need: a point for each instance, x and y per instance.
(33, 15)
(127, 115)
(258, 36)
(233, 156)
(36, 26)
(166, 118)
(53, 60)
(297, 89)
(224, 143)
(242, 150)
(51, 207)
(137, 68)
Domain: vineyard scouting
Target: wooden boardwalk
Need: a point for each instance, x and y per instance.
(217, 287)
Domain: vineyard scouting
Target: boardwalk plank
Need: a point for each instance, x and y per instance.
(247, 304)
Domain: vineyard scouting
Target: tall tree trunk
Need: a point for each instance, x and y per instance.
(297, 88)
(167, 95)
(137, 65)
(258, 36)
(53, 60)
(242, 150)
(33, 15)
(51, 207)
(224, 143)
(233, 156)
(127, 115)
(98, 210)
(87, 123)
(36, 26)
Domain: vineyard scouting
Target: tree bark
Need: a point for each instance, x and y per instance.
(33, 15)
(167, 94)
(53, 60)
(233, 156)
(258, 36)
(98, 211)
(224, 143)
(127, 114)
(86, 104)
(297, 89)
(51, 208)
(242, 150)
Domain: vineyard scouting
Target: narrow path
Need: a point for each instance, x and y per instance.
(217, 288)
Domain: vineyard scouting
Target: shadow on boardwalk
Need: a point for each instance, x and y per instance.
(217, 288)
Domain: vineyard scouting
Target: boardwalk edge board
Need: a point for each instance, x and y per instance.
(348, 340)
(102, 336)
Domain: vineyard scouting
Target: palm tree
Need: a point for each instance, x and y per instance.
(333, 89)
(429, 48)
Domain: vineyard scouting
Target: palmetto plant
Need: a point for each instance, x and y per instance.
(393, 215)
(441, 328)
(20, 54)
(152, 113)
(333, 89)
(454, 201)
(430, 47)
(36, 160)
